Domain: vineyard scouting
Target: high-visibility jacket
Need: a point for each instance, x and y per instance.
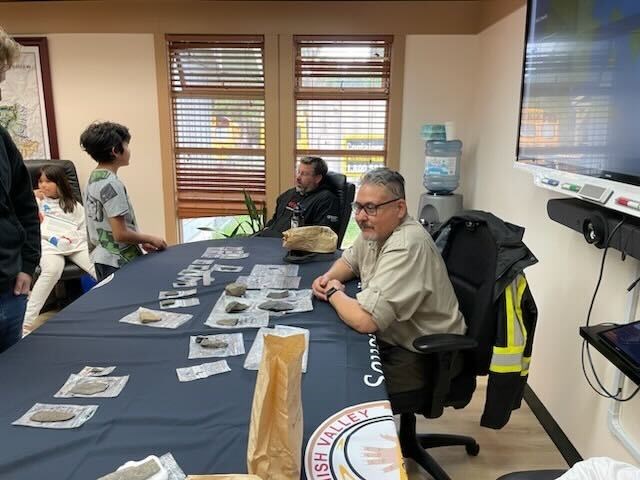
(516, 316)
(513, 313)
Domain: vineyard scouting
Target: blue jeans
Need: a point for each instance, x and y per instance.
(12, 310)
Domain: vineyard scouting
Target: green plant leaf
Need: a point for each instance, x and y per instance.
(234, 232)
(255, 216)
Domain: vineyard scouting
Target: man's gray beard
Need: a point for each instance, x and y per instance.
(304, 191)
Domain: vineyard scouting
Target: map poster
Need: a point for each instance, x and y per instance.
(26, 108)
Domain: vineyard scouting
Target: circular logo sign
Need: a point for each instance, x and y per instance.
(359, 442)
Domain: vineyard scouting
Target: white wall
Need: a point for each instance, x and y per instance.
(111, 77)
(564, 279)
(437, 88)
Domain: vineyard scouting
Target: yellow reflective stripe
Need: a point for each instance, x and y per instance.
(505, 368)
(508, 350)
(526, 361)
(509, 358)
(522, 285)
(509, 310)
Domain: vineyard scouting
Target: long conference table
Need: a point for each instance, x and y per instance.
(348, 427)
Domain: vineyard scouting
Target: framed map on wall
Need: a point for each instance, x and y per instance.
(26, 108)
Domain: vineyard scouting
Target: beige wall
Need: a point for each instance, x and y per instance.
(111, 77)
(437, 87)
(564, 279)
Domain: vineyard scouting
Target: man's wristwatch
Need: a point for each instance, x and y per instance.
(330, 292)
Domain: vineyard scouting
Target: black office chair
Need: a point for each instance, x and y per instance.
(345, 192)
(454, 361)
(68, 287)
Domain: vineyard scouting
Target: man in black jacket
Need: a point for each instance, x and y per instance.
(19, 224)
(311, 202)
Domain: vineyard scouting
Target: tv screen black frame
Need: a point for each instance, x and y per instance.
(622, 178)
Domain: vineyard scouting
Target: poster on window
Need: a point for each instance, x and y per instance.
(26, 107)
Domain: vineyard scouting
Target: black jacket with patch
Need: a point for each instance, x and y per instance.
(319, 207)
(19, 223)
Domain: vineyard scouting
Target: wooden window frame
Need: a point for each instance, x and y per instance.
(203, 201)
(383, 93)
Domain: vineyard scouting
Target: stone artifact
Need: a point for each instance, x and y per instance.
(89, 388)
(52, 416)
(233, 307)
(208, 342)
(143, 471)
(278, 294)
(146, 316)
(235, 289)
(276, 306)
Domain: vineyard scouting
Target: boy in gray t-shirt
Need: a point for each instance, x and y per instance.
(111, 221)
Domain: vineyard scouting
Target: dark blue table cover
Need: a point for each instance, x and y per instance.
(203, 423)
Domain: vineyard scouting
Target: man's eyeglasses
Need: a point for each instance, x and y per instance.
(370, 209)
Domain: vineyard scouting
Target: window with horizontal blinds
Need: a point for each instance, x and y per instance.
(218, 114)
(342, 100)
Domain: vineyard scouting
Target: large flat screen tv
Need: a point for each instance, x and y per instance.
(580, 106)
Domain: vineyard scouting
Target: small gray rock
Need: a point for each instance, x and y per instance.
(52, 416)
(89, 388)
(228, 322)
(235, 289)
(276, 306)
(139, 472)
(207, 342)
(278, 294)
(233, 307)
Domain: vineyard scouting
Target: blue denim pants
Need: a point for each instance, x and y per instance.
(12, 310)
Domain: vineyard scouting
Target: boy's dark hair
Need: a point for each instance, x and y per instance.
(57, 175)
(100, 138)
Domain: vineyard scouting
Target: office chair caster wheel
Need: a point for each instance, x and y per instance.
(472, 450)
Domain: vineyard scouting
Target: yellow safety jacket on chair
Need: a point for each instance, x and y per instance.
(510, 320)
(515, 325)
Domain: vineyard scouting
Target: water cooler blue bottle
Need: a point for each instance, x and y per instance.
(441, 177)
(442, 166)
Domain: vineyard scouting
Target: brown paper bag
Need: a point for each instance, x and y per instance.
(226, 476)
(315, 239)
(275, 435)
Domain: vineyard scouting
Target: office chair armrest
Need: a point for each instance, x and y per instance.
(443, 342)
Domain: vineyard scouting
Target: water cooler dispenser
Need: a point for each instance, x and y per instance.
(435, 209)
(441, 178)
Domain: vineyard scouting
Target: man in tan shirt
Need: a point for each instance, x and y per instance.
(406, 292)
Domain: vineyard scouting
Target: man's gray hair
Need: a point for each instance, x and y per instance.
(9, 51)
(385, 177)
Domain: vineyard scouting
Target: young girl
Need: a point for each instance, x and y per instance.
(63, 235)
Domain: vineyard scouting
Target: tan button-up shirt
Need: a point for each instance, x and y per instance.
(405, 285)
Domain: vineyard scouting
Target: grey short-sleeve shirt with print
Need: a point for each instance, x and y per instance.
(405, 285)
(106, 197)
